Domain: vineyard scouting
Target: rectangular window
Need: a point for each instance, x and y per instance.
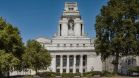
(57, 60)
(71, 60)
(64, 70)
(77, 60)
(77, 45)
(58, 70)
(71, 71)
(70, 45)
(83, 70)
(64, 45)
(84, 60)
(64, 61)
(71, 8)
(60, 29)
(58, 45)
(77, 70)
(83, 45)
(81, 29)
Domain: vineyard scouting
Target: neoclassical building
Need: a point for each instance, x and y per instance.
(70, 48)
(72, 51)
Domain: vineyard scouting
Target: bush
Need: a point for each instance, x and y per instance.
(107, 74)
(92, 73)
(57, 74)
(96, 73)
(67, 75)
(134, 69)
(89, 75)
(77, 74)
(47, 74)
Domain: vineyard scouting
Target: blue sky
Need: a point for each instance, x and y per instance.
(39, 18)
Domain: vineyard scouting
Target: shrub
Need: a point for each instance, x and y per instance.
(57, 74)
(96, 73)
(92, 73)
(47, 74)
(67, 75)
(77, 74)
(134, 69)
(89, 75)
(107, 74)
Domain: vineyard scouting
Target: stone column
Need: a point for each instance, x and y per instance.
(61, 64)
(81, 64)
(67, 68)
(74, 64)
(53, 66)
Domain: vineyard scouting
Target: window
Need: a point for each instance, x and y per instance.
(84, 63)
(64, 70)
(64, 61)
(77, 45)
(77, 70)
(81, 29)
(71, 60)
(70, 45)
(58, 45)
(71, 70)
(84, 60)
(64, 45)
(83, 70)
(58, 70)
(58, 60)
(83, 45)
(77, 60)
(71, 8)
(60, 29)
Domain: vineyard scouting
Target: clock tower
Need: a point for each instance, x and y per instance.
(71, 24)
(71, 50)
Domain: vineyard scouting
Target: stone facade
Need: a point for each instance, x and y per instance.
(72, 51)
(70, 48)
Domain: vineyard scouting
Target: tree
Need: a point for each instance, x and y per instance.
(8, 62)
(10, 39)
(35, 56)
(10, 42)
(117, 29)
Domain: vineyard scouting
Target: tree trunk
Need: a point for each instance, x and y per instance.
(116, 63)
(36, 71)
(8, 74)
(1, 74)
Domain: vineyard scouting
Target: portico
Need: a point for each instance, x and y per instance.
(71, 63)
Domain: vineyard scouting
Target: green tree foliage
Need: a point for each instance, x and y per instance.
(11, 43)
(35, 56)
(10, 39)
(117, 30)
(8, 62)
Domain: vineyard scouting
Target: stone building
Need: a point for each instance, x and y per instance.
(70, 48)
